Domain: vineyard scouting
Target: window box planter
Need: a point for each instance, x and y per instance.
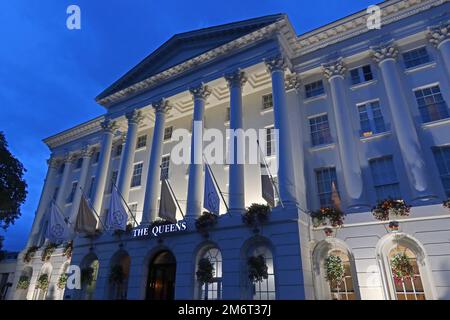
(48, 251)
(23, 283)
(30, 254)
(68, 248)
(206, 222)
(42, 282)
(331, 216)
(62, 281)
(387, 209)
(256, 214)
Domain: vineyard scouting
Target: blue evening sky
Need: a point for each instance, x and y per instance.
(49, 75)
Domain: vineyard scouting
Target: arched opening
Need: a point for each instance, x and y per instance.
(42, 283)
(89, 273)
(118, 276)
(23, 283)
(161, 277)
(211, 290)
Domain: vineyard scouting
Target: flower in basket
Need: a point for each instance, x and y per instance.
(23, 283)
(328, 216)
(389, 207)
(48, 251)
(256, 214)
(42, 282)
(334, 269)
(206, 221)
(257, 269)
(62, 281)
(68, 248)
(30, 254)
(401, 267)
(205, 271)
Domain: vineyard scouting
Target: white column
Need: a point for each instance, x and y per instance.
(103, 164)
(44, 201)
(351, 169)
(439, 36)
(286, 178)
(236, 189)
(150, 212)
(126, 165)
(86, 154)
(408, 140)
(196, 183)
(60, 198)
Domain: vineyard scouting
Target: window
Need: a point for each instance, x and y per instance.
(325, 179)
(213, 290)
(97, 157)
(407, 288)
(119, 150)
(314, 89)
(113, 181)
(371, 119)
(416, 57)
(137, 174)
(265, 290)
(72, 192)
(270, 141)
(79, 163)
(442, 157)
(343, 290)
(165, 162)
(362, 74)
(168, 133)
(385, 178)
(141, 142)
(432, 105)
(320, 130)
(91, 188)
(267, 101)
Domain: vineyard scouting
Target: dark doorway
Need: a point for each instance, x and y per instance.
(161, 277)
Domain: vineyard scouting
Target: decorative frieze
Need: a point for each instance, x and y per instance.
(384, 51)
(334, 68)
(236, 79)
(439, 33)
(201, 92)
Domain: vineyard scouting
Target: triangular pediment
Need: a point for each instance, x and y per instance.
(185, 46)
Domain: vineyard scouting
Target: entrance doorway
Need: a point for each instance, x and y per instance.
(161, 277)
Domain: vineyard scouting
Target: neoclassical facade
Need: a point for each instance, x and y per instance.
(359, 113)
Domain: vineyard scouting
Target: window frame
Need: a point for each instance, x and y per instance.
(406, 61)
(138, 142)
(311, 92)
(371, 118)
(133, 175)
(328, 139)
(426, 106)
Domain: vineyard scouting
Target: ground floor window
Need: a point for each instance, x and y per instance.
(265, 289)
(343, 289)
(213, 290)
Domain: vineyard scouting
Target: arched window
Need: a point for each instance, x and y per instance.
(265, 289)
(212, 290)
(118, 276)
(411, 287)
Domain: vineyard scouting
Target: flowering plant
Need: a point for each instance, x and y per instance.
(257, 268)
(205, 271)
(62, 280)
(401, 267)
(30, 254)
(206, 221)
(23, 283)
(256, 213)
(48, 251)
(328, 215)
(390, 207)
(42, 282)
(68, 248)
(334, 269)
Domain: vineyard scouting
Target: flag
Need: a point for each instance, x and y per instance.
(267, 186)
(335, 199)
(86, 221)
(57, 229)
(167, 206)
(211, 201)
(117, 215)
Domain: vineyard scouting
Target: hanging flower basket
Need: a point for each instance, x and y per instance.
(117, 275)
(401, 267)
(334, 269)
(256, 214)
(23, 283)
(48, 251)
(257, 269)
(386, 209)
(62, 281)
(205, 271)
(206, 222)
(42, 282)
(446, 203)
(68, 248)
(87, 276)
(328, 216)
(30, 254)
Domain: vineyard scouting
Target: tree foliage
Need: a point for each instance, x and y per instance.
(13, 188)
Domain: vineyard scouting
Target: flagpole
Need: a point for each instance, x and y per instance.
(173, 195)
(61, 212)
(93, 209)
(217, 185)
(126, 204)
(270, 174)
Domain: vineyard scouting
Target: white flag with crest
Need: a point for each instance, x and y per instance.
(57, 229)
(117, 217)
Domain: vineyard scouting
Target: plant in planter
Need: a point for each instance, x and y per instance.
(42, 282)
(205, 271)
(386, 209)
(68, 248)
(446, 203)
(401, 267)
(159, 222)
(328, 216)
(256, 214)
(48, 251)
(62, 280)
(23, 283)
(257, 269)
(30, 254)
(117, 274)
(205, 222)
(87, 276)
(334, 269)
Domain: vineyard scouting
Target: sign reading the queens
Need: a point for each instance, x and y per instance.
(158, 230)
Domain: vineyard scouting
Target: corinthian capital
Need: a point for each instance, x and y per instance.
(69, 157)
(200, 92)
(276, 63)
(236, 79)
(53, 162)
(334, 68)
(384, 51)
(292, 81)
(161, 106)
(439, 33)
(134, 116)
(109, 125)
(87, 151)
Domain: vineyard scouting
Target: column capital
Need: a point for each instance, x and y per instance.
(162, 106)
(109, 125)
(438, 34)
(334, 68)
(200, 92)
(134, 116)
(53, 162)
(384, 51)
(236, 79)
(276, 63)
(292, 82)
(69, 157)
(87, 151)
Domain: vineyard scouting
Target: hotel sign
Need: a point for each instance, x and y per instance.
(159, 230)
